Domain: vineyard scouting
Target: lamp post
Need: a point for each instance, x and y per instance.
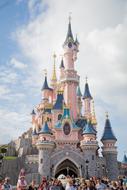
(87, 174)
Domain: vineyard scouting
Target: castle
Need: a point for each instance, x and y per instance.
(65, 127)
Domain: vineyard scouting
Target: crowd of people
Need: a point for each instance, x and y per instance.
(69, 183)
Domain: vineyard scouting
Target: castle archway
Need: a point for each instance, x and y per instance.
(67, 167)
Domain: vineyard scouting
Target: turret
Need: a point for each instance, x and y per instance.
(109, 150)
(70, 79)
(70, 48)
(33, 114)
(87, 101)
(47, 92)
(79, 102)
(89, 147)
(45, 145)
(124, 164)
(62, 68)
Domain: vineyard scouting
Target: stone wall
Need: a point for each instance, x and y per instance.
(11, 168)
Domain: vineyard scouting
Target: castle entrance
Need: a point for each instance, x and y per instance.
(67, 167)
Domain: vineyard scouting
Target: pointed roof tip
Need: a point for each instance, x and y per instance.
(45, 85)
(62, 64)
(108, 132)
(45, 129)
(78, 92)
(69, 37)
(33, 112)
(87, 93)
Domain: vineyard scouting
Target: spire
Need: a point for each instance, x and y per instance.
(108, 133)
(79, 94)
(62, 64)
(88, 129)
(54, 78)
(45, 84)
(87, 91)
(124, 159)
(76, 40)
(93, 121)
(69, 37)
(45, 129)
(33, 112)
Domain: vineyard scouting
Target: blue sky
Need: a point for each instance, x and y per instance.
(30, 32)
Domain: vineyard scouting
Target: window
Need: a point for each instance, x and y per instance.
(92, 157)
(41, 160)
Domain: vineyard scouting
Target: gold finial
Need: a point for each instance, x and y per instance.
(86, 79)
(94, 121)
(54, 78)
(106, 115)
(45, 72)
(70, 13)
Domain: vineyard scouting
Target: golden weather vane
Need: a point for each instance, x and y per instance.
(45, 72)
(70, 18)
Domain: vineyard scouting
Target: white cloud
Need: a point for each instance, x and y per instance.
(4, 90)
(17, 64)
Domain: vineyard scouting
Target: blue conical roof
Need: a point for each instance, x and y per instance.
(62, 64)
(69, 37)
(45, 129)
(87, 92)
(76, 41)
(59, 102)
(108, 133)
(33, 112)
(78, 92)
(45, 85)
(124, 159)
(88, 129)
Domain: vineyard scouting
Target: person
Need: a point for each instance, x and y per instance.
(44, 184)
(32, 186)
(7, 185)
(1, 183)
(70, 186)
(100, 185)
(21, 184)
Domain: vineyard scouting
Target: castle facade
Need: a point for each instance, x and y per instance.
(65, 126)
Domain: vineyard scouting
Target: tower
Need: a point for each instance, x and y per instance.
(79, 102)
(47, 92)
(70, 79)
(45, 145)
(87, 101)
(89, 146)
(109, 150)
